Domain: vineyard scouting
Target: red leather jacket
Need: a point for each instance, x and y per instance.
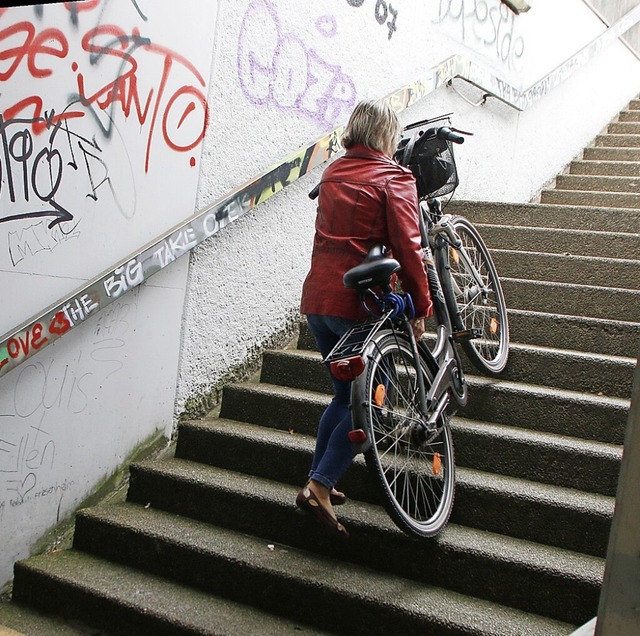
(365, 198)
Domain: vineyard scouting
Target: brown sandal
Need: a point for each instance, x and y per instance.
(336, 497)
(308, 502)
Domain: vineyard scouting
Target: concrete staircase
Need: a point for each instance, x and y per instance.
(208, 541)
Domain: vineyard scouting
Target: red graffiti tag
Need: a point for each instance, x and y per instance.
(60, 324)
(78, 7)
(123, 90)
(22, 344)
(165, 106)
(34, 338)
(33, 47)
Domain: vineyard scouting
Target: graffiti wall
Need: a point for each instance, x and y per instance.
(103, 110)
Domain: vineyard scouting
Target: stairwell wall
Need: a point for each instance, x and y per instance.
(283, 73)
(84, 182)
(612, 10)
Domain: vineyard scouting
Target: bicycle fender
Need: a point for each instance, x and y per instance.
(358, 421)
(359, 398)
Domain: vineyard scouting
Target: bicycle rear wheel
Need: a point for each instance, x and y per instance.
(417, 475)
(474, 308)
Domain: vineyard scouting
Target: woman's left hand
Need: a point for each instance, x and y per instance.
(418, 326)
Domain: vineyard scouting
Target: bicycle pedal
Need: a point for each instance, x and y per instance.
(467, 334)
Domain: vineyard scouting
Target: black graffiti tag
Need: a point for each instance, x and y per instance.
(41, 172)
(33, 176)
(382, 10)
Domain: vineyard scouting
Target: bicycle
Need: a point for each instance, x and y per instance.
(401, 389)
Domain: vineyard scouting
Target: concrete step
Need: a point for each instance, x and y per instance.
(546, 366)
(556, 482)
(273, 406)
(536, 408)
(572, 299)
(587, 270)
(461, 559)
(18, 620)
(572, 370)
(600, 153)
(245, 567)
(576, 333)
(486, 498)
(629, 115)
(591, 183)
(624, 128)
(618, 141)
(610, 168)
(545, 240)
(592, 199)
(533, 407)
(581, 470)
(547, 216)
(128, 601)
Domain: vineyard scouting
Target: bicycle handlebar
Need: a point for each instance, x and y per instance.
(444, 132)
(315, 192)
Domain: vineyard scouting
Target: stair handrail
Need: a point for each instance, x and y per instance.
(24, 341)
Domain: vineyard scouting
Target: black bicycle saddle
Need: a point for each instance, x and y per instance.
(376, 270)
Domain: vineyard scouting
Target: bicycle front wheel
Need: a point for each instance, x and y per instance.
(415, 467)
(475, 306)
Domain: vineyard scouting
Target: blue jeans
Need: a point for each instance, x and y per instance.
(334, 452)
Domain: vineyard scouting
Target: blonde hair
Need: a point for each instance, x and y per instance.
(375, 124)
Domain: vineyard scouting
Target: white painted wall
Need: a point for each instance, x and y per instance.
(282, 73)
(245, 282)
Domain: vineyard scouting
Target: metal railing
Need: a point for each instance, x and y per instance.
(41, 330)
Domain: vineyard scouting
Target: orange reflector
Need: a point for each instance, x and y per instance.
(455, 256)
(348, 368)
(437, 464)
(380, 394)
(493, 327)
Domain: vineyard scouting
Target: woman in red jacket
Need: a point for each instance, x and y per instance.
(365, 198)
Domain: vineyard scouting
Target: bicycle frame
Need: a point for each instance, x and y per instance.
(348, 358)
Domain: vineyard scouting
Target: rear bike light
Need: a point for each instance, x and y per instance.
(357, 436)
(347, 369)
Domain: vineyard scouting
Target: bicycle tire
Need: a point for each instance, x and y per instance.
(417, 476)
(469, 308)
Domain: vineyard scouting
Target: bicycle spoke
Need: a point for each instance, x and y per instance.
(480, 308)
(419, 495)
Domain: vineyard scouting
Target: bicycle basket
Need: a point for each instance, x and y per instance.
(432, 162)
